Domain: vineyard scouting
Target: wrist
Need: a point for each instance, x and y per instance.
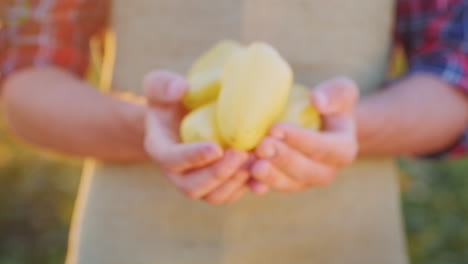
(131, 112)
(368, 128)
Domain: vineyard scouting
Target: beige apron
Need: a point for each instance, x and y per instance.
(130, 214)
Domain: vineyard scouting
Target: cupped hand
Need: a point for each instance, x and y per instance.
(293, 158)
(201, 170)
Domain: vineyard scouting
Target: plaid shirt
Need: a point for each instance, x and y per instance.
(57, 32)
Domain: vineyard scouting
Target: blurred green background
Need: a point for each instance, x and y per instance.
(38, 191)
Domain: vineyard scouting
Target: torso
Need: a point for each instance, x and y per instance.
(131, 214)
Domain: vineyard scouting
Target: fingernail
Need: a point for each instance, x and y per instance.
(211, 151)
(321, 99)
(268, 151)
(278, 134)
(173, 89)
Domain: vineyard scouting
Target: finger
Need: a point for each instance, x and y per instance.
(340, 124)
(237, 195)
(224, 192)
(186, 157)
(337, 147)
(335, 96)
(257, 187)
(200, 182)
(180, 158)
(266, 173)
(164, 87)
(158, 128)
(294, 164)
(251, 159)
(172, 156)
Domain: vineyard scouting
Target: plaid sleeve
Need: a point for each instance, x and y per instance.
(49, 32)
(434, 35)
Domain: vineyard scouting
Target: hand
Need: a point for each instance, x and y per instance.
(292, 158)
(201, 170)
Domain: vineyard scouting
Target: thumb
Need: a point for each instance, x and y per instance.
(164, 87)
(335, 96)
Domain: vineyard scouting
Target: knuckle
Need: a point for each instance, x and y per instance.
(191, 193)
(264, 174)
(271, 180)
(213, 199)
(240, 176)
(200, 154)
(281, 159)
(300, 177)
(319, 154)
(269, 176)
(347, 158)
(218, 172)
(326, 179)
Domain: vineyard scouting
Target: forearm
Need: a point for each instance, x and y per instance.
(51, 108)
(417, 115)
